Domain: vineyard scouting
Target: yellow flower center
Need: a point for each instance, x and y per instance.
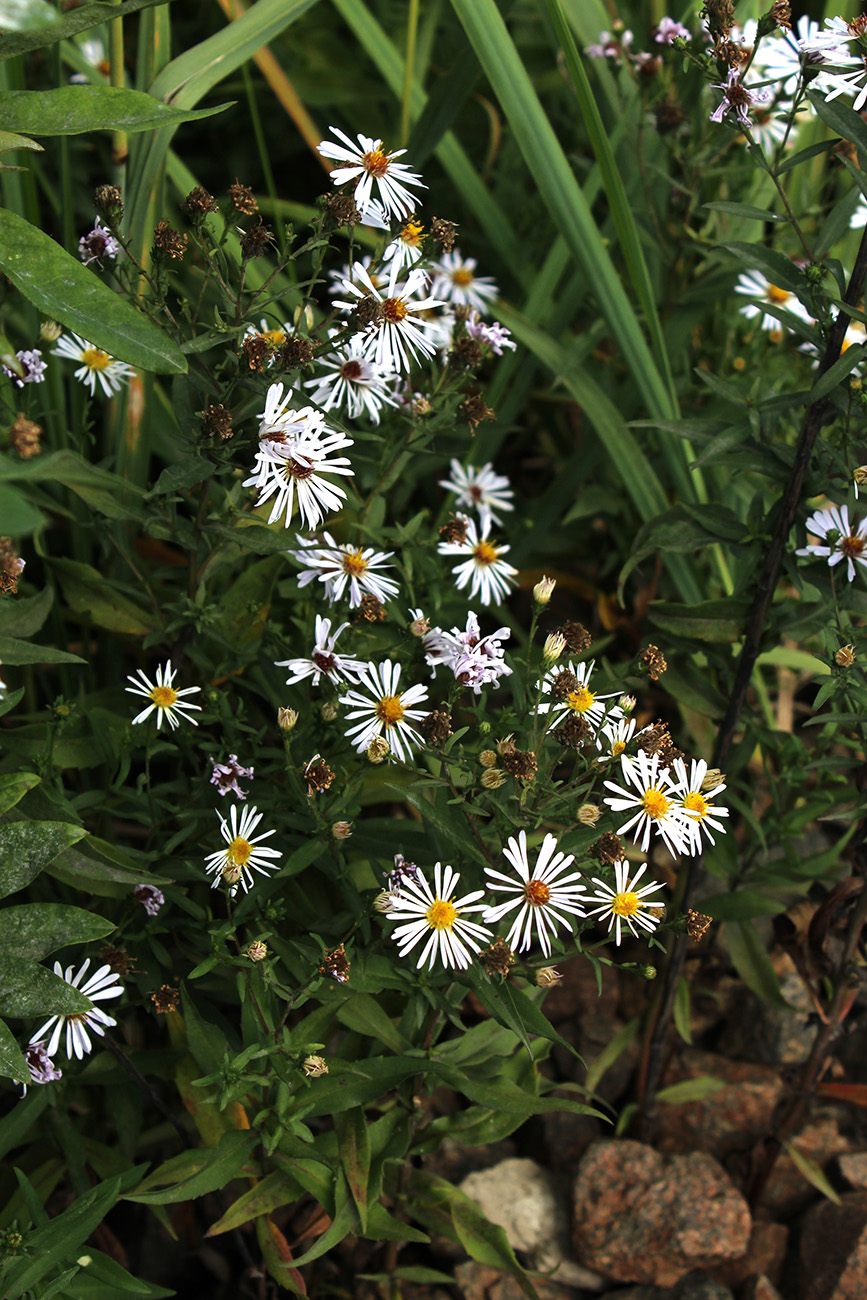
(390, 710)
(354, 563)
(95, 359)
(394, 310)
(537, 893)
(275, 337)
(461, 277)
(581, 700)
(441, 915)
(485, 553)
(776, 295)
(238, 852)
(625, 904)
(411, 233)
(655, 803)
(163, 696)
(695, 802)
(852, 545)
(376, 162)
(617, 748)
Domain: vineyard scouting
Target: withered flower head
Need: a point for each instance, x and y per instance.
(444, 233)
(314, 1066)
(169, 242)
(467, 353)
(118, 959)
(217, 421)
(498, 959)
(576, 636)
(729, 54)
(781, 13)
(521, 764)
(242, 199)
(436, 727)
(719, 15)
(713, 777)
(257, 349)
(369, 610)
(455, 531)
(474, 410)
(506, 746)
(697, 925)
(199, 201)
(255, 241)
(419, 626)
(335, 963)
(108, 199)
(11, 567)
(342, 209)
(608, 848)
(329, 711)
(165, 999)
(563, 684)
(844, 658)
(547, 977)
(25, 436)
(318, 776)
(575, 732)
(656, 740)
(296, 352)
(653, 661)
(368, 311)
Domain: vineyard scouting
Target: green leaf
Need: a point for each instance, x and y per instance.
(110, 874)
(25, 652)
(269, 1194)
(59, 1240)
(14, 786)
(747, 211)
(354, 1145)
(609, 1054)
(33, 930)
(24, 616)
(741, 905)
(87, 592)
(224, 1162)
(252, 591)
(90, 15)
(812, 1171)
(106, 492)
(678, 1094)
(27, 847)
(778, 268)
(844, 120)
(680, 1010)
(72, 110)
(27, 989)
(709, 620)
(185, 473)
(835, 374)
(25, 15)
(12, 1062)
(19, 517)
(365, 1015)
(751, 961)
(68, 292)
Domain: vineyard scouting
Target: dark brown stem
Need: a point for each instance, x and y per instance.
(660, 1018)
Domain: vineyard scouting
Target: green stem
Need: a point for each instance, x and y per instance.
(408, 70)
(120, 148)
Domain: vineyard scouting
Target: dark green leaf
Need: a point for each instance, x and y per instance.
(844, 120)
(27, 989)
(106, 492)
(843, 366)
(90, 15)
(354, 1145)
(268, 1194)
(71, 110)
(184, 473)
(87, 592)
(26, 615)
(747, 211)
(710, 620)
(364, 1014)
(68, 292)
(25, 652)
(26, 15)
(60, 1239)
(224, 1162)
(778, 268)
(19, 516)
(12, 1062)
(741, 905)
(752, 963)
(33, 930)
(14, 786)
(27, 847)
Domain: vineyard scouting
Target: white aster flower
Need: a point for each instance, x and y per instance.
(421, 911)
(368, 163)
(481, 488)
(544, 897)
(243, 853)
(618, 733)
(385, 711)
(163, 697)
(475, 660)
(456, 282)
(782, 56)
(97, 244)
(495, 335)
(102, 984)
(654, 797)
(625, 902)
(755, 285)
(405, 248)
(347, 275)
(578, 700)
(33, 366)
(481, 564)
(401, 332)
(849, 545)
(858, 219)
(698, 806)
(324, 659)
(296, 450)
(352, 381)
(769, 129)
(341, 566)
(95, 364)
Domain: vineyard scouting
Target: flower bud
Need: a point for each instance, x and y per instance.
(385, 900)
(304, 315)
(860, 477)
(257, 950)
(377, 749)
(543, 590)
(845, 656)
(286, 719)
(647, 972)
(493, 778)
(341, 830)
(713, 777)
(314, 1066)
(588, 814)
(484, 727)
(329, 710)
(554, 646)
(419, 624)
(231, 873)
(488, 758)
(627, 703)
(547, 977)
(421, 407)
(50, 331)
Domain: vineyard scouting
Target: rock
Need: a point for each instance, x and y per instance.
(578, 995)
(770, 1034)
(699, 1286)
(765, 1254)
(519, 1196)
(788, 1191)
(478, 1282)
(834, 1249)
(761, 1288)
(853, 1167)
(728, 1120)
(568, 1136)
(640, 1217)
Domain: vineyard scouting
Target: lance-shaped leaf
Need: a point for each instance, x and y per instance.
(72, 110)
(68, 292)
(27, 847)
(32, 31)
(28, 989)
(12, 1062)
(33, 930)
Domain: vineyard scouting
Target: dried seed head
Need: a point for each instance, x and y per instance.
(543, 590)
(165, 999)
(335, 964)
(217, 422)
(521, 764)
(25, 436)
(11, 567)
(654, 662)
(314, 1066)
(547, 977)
(576, 636)
(243, 199)
(563, 684)
(198, 202)
(844, 658)
(455, 531)
(118, 959)
(488, 758)
(296, 352)
(697, 925)
(257, 349)
(255, 241)
(719, 15)
(574, 733)
(257, 951)
(493, 778)
(467, 354)
(588, 814)
(342, 209)
(108, 199)
(437, 726)
(474, 410)
(444, 233)
(370, 610)
(656, 740)
(169, 242)
(341, 830)
(318, 776)
(608, 848)
(286, 719)
(368, 311)
(498, 959)
(781, 13)
(377, 750)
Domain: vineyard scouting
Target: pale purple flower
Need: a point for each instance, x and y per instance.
(668, 29)
(225, 776)
(495, 335)
(42, 1068)
(97, 244)
(150, 898)
(33, 365)
(475, 660)
(737, 98)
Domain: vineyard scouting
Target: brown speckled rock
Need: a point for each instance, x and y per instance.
(732, 1119)
(765, 1255)
(640, 1217)
(834, 1250)
(853, 1167)
(762, 1288)
(788, 1191)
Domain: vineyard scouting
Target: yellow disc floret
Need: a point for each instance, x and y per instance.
(95, 359)
(239, 851)
(625, 904)
(655, 804)
(390, 710)
(441, 915)
(163, 696)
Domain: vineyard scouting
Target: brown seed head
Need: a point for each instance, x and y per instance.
(656, 740)
(521, 764)
(335, 963)
(455, 531)
(781, 13)
(436, 727)
(118, 959)
(257, 349)
(11, 567)
(576, 636)
(108, 199)
(608, 848)
(217, 422)
(296, 352)
(318, 776)
(444, 233)
(199, 201)
(25, 437)
(165, 999)
(563, 684)
(719, 15)
(171, 243)
(697, 925)
(474, 410)
(498, 959)
(370, 610)
(255, 241)
(574, 733)
(342, 209)
(729, 54)
(654, 662)
(467, 354)
(243, 199)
